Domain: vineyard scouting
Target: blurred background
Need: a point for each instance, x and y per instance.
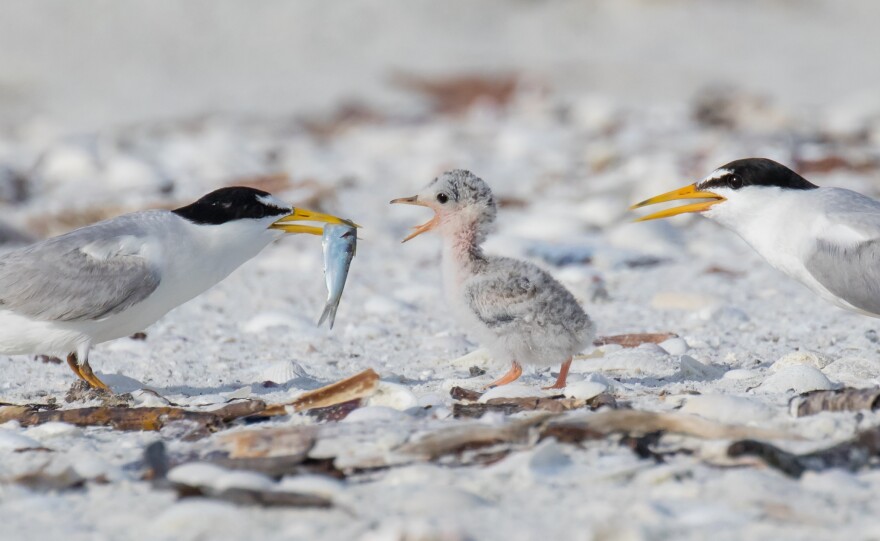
(100, 63)
(108, 106)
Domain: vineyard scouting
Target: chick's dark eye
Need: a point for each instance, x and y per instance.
(442, 197)
(736, 182)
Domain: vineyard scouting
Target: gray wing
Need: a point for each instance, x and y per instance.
(500, 300)
(522, 292)
(851, 273)
(57, 280)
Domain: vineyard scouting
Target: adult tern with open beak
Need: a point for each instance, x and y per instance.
(826, 238)
(114, 278)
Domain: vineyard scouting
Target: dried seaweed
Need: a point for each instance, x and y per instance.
(847, 399)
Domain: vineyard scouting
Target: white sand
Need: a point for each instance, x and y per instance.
(574, 175)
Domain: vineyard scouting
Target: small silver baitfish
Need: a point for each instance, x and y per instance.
(340, 246)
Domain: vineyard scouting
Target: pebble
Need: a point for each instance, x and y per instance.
(674, 346)
(584, 390)
(393, 395)
(799, 378)
(692, 369)
(807, 358)
(374, 414)
(728, 409)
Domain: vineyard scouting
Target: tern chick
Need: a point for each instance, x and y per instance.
(826, 238)
(65, 294)
(514, 308)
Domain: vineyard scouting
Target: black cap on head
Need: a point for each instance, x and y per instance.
(229, 204)
(755, 172)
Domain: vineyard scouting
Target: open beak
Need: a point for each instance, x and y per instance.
(287, 224)
(419, 229)
(688, 192)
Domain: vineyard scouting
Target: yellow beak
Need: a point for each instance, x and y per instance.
(419, 229)
(687, 192)
(304, 215)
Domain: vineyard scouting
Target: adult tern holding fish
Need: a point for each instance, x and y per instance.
(826, 238)
(62, 295)
(340, 246)
(516, 309)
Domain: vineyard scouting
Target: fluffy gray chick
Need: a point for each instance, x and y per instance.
(514, 308)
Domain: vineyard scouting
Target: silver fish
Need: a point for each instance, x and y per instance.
(340, 246)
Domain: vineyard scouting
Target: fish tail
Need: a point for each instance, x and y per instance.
(329, 311)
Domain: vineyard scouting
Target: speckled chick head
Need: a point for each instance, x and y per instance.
(461, 200)
(463, 206)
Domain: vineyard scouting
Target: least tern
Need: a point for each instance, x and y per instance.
(62, 295)
(826, 238)
(514, 308)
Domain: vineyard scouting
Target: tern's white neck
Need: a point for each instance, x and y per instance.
(780, 224)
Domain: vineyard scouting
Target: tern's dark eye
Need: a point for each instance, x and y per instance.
(735, 182)
(442, 197)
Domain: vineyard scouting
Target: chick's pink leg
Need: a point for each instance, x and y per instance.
(563, 375)
(512, 375)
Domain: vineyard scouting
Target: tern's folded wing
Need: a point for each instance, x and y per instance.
(849, 271)
(75, 277)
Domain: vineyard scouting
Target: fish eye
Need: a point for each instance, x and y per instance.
(442, 197)
(735, 182)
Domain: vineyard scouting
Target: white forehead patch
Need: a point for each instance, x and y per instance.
(272, 201)
(718, 173)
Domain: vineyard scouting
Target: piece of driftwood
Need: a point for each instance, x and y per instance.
(633, 422)
(125, 418)
(635, 339)
(270, 442)
(356, 387)
(852, 455)
(470, 436)
(508, 406)
(847, 399)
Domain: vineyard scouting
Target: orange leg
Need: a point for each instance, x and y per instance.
(512, 375)
(563, 375)
(84, 372)
(71, 362)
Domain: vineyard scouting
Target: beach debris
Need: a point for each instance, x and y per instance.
(126, 418)
(460, 393)
(357, 387)
(239, 487)
(846, 399)
(634, 340)
(270, 442)
(281, 372)
(852, 455)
